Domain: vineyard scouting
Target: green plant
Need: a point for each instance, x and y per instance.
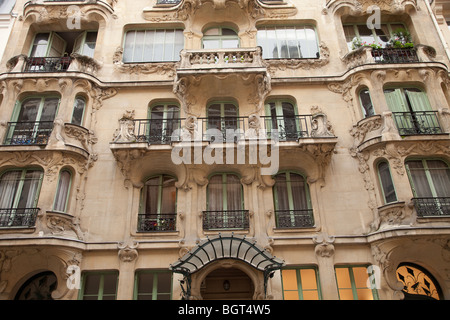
(401, 38)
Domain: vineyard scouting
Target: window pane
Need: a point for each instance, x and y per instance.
(129, 46)
(62, 192)
(309, 281)
(364, 294)
(145, 282)
(40, 45)
(289, 279)
(282, 199)
(419, 178)
(158, 44)
(8, 188)
(366, 103)
(164, 283)
(343, 278)
(310, 295)
(169, 194)
(92, 284)
(386, 183)
(298, 192)
(29, 110)
(28, 196)
(152, 192)
(291, 295)
(365, 34)
(234, 193)
(360, 274)
(109, 284)
(440, 177)
(78, 111)
(49, 109)
(345, 294)
(215, 193)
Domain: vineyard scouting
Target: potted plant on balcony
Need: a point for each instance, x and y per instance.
(401, 39)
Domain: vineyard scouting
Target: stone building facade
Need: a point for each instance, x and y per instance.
(164, 149)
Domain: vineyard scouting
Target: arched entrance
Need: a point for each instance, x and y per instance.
(38, 287)
(227, 284)
(223, 258)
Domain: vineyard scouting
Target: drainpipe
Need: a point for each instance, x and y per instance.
(438, 29)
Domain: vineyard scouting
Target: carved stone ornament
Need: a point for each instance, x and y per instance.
(360, 7)
(60, 224)
(324, 245)
(128, 251)
(125, 133)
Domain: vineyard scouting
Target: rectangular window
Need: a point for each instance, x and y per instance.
(153, 285)
(300, 284)
(288, 42)
(153, 45)
(353, 283)
(99, 286)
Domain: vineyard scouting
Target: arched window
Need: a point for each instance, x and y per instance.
(62, 191)
(430, 183)
(282, 116)
(220, 38)
(387, 185)
(158, 210)
(79, 106)
(418, 283)
(164, 120)
(366, 103)
(19, 193)
(32, 121)
(225, 203)
(292, 201)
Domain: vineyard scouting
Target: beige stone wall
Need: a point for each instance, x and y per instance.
(352, 225)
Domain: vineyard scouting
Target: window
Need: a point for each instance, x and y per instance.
(32, 121)
(222, 117)
(153, 285)
(387, 185)
(430, 183)
(153, 45)
(288, 42)
(159, 204)
(366, 103)
(353, 284)
(220, 38)
(419, 284)
(78, 111)
(85, 43)
(357, 34)
(412, 111)
(99, 286)
(300, 284)
(225, 203)
(19, 193)
(48, 44)
(282, 117)
(164, 120)
(292, 201)
(62, 191)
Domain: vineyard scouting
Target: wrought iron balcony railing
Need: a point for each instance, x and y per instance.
(294, 218)
(432, 207)
(226, 219)
(288, 128)
(168, 2)
(157, 222)
(391, 55)
(47, 64)
(416, 123)
(28, 133)
(20, 217)
(157, 131)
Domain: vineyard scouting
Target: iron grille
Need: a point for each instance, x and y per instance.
(28, 133)
(226, 219)
(294, 218)
(432, 207)
(157, 222)
(20, 217)
(418, 122)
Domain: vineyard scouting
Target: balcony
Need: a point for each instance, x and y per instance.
(391, 55)
(432, 207)
(294, 218)
(417, 123)
(221, 61)
(28, 133)
(226, 219)
(157, 222)
(47, 64)
(20, 217)
(221, 129)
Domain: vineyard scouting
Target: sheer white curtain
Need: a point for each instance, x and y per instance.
(63, 191)
(440, 176)
(420, 182)
(152, 195)
(298, 188)
(234, 193)
(215, 193)
(9, 183)
(169, 193)
(281, 192)
(386, 182)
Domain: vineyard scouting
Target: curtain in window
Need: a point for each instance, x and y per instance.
(282, 198)
(419, 178)
(28, 197)
(63, 191)
(151, 203)
(440, 177)
(298, 192)
(8, 187)
(168, 196)
(215, 193)
(234, 193)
